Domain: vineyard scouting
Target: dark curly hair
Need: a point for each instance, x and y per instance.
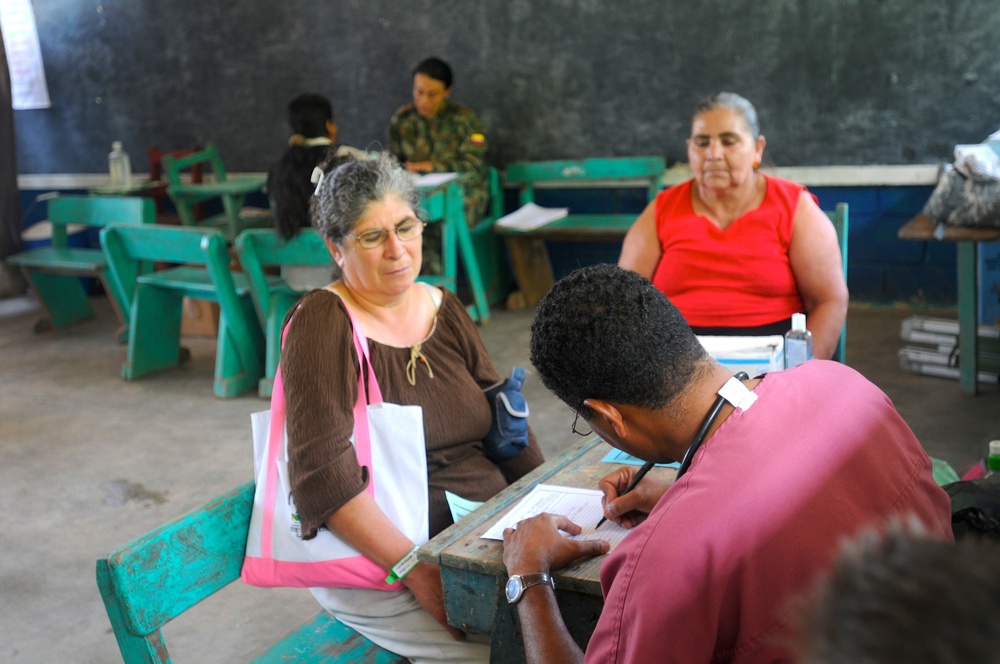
(607, 333)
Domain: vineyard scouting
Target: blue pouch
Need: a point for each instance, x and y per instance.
(508, 433)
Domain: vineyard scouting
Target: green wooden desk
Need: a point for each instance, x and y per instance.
(472, 570)
(444, 202)
(967, 240)
(231, 191)
(135, 189)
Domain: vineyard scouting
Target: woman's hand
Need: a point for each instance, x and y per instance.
(630, 510)
(424, 581)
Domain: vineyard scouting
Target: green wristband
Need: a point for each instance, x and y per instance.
(403, 567)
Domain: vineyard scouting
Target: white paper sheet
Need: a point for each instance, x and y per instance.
(433, 179)
(530, 216)
(24, 56)
(581, 506)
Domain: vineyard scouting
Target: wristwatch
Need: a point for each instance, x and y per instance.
(517, 584)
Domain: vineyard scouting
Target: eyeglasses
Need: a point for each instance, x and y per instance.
(406, 230)
(573, 428)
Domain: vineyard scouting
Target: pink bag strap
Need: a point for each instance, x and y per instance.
(276, 430)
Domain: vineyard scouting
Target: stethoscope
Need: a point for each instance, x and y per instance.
(737, 394)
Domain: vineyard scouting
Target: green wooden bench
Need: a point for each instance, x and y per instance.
(54, 271)
(260, 249)
(156, 577)
(154, 300)
(229, 192)
(489, 248)
(839, 217)
(444, 203)
(528, 255)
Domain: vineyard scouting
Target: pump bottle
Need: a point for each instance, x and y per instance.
(798, 342)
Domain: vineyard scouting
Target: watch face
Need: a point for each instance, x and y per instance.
(513, 588)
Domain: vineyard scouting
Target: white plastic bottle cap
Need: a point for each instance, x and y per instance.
(799, 322)
(995, 448)
(116, 145)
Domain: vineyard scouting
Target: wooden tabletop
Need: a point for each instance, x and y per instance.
(923, 227)
(461, 546)
(240, 185)
(472, 570)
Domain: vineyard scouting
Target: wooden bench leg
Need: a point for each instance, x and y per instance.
(62, 297)
(459, 228)
(154, 333)
(238, 356)
(532, 268)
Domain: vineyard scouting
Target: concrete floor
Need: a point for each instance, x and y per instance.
(90, 461)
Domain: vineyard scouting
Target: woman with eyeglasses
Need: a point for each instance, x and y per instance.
(426, 351)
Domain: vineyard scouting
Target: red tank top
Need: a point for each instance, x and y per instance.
(738, 277)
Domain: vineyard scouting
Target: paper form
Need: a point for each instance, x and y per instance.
(617, 456)
(581, 506)
(459, 506)
(530, 216)
(433, 179)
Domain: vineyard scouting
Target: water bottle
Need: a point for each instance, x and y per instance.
(993, 460)
(798, 342)
(119, 166)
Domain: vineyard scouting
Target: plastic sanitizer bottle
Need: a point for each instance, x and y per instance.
(798, 342)
(119, 166)
(993, 460)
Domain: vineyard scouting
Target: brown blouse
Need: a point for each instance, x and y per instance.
(320, 368)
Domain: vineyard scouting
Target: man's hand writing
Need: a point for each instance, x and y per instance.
(631, 509)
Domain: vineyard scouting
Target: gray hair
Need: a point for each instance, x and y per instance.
(343, 195)
(731, 101)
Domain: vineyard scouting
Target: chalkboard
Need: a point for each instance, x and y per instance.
(836, 82)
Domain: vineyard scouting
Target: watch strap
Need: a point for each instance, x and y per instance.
(529, 580)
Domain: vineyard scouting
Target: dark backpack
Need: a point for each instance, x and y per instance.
(975, 508)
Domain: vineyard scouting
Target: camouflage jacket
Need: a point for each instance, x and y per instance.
(453, 141)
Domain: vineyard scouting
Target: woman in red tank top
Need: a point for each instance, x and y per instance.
(737, 251)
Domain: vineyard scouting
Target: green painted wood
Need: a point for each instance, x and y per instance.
(61, 258)
(580, 227)
(53, 271)
(230, 192)
(155, 301)
(840, 219)
(324, 640)
(968, 339)
(528, 255)
(444, 203)
(156, 577)
(617, 168)
(62, 296)
(161, 574)
(273, 297)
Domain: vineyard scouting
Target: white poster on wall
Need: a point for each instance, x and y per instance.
(24, 56)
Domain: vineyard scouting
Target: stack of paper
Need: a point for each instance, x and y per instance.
(531, 216)
(932, 348)
(755, 355)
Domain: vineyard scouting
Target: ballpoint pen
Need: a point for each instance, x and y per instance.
(631, 485)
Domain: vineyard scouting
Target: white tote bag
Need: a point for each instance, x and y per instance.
(388, 439)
